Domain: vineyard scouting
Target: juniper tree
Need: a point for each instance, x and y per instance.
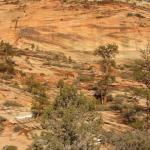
(70, 123)
(141, 72)
(107, 54)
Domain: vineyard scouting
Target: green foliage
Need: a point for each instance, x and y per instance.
(17, 128)
(60, 83)
(9, 147)
(2, 119)
(1, 128)
(69, 96)
(7, 66)
(85, 78)
(6, 63)
(141, 67)
(71, 122)
(6, 49)
(138, 124)
(141, 72)
(35, 87)
(135, 140)
(10, 103)
(142, 92)
(39, 95)
(107, 54)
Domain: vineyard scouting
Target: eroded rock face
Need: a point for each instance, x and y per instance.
(76, 30)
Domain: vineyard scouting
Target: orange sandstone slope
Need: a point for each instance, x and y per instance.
(76, 30)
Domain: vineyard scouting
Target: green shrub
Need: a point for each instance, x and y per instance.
(2, 119)
(9, 147)
(116, 107)
(10, 103)
(138, 124)
(60, 84)
(35, 87)
(40, 99)
(7, 49)
(17, 128)
(7, 66)
(1, 128)
(71, 122)
(85, 78)
(133, 140)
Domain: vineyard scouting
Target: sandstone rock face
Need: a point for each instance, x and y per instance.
(76, 30)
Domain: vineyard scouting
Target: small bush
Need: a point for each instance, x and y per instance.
(6, 76)
(10, 103)
(133, 140)
(60, 84)
(9, 147)
(138, 124)
(17, 128)
(1, 128)
(85, 78)
(7, 66)
(7, 49)
(116, 107)
(128, 114)
(2, 119)
(35, 87)
(135, 15)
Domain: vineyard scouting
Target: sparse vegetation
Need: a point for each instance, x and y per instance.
(141, 72)
(107, 53)
(39, 96)
(55, 93)
(11, 103)
(6, 63)
(2, 119)
(17, 128)
(135, 140)
(9, 147)
(70, 123)
(85, 78)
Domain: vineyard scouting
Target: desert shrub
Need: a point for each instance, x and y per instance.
(133, 140)
(6, 49)
(116, 107)
(69, 96)
(1, 128)
(70, 122)
(59, 57)
(9, 147)
(131, 115)
(138, 124)
(17, 128)
(78, 67)
(40, 99)
(135, 14)
(107, 53)
(60, 83)
(7, 67)
(2, 119)
(141, 92)
(35, 87)
(128, 114)
(10, 103)
(85, 78)
(6, 76)
(39, 104)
